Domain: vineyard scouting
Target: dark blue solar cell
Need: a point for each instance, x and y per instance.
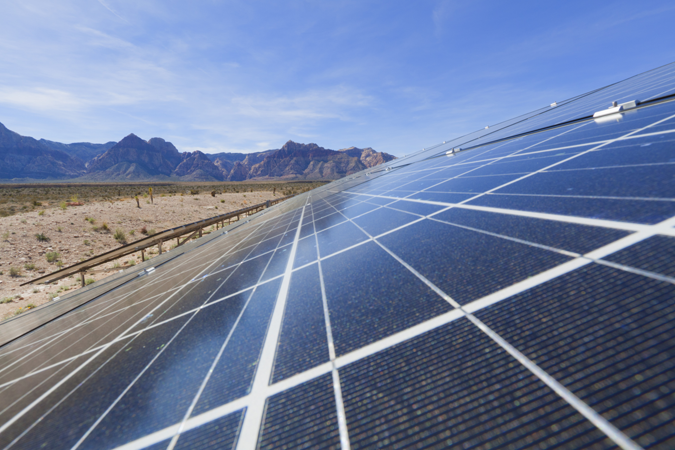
(474, 184)
(233, 375)
(288, 237)
(649, 212)
(656, 254)
(307, 228)
(383, 220)
(466, 264)
(379, 201)
(607, 335)
(422, 209)
(246, 275)
(454, 388)
(302, 417)
(221, 433)
(637, 181)
(339, 237)
(191, 297)
(20, 394)
(329, 221)
(418, 185)
(266, 246)
(441, 197)
(648, 150)
(306, 252)
(277, 265)
(566, 236)
(371, 296)
(453, 171)
(358, 210)
(179, 370)
(524, 164)
(86, 395)
(302, 343)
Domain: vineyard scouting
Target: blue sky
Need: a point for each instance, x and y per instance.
(250, 75)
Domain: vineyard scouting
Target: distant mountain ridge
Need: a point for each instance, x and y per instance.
(134, 159)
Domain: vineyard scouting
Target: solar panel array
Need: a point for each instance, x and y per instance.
(517, 294)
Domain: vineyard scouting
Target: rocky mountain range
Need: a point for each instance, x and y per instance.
(134, 159)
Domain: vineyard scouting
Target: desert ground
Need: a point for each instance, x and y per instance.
(49, 234)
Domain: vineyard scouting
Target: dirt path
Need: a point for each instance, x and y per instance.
(78, 233)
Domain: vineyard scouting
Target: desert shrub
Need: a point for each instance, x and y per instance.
(91, 220)
(116, 265)
(222, 201)
(29, 306)
(63, 205)
(5, 235)
(194, 192)
(29, 266)
(132, 232)
(132, 262)
(52, 256)
(14, 272)
(144, 230)
(120, 236)
(23, 220)
(104, 227)
(36, 203)
(151, 232)
(86, 242)
(7, 300)
(41, 213)
(36, 290)
(59, 229)
(59, 264)
(89, 281)
(41, 237)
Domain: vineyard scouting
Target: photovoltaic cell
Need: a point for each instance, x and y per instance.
(552, 230)
(466, 264)
(302, 343)
(454, 388)
(656, 254)
(303, 417)
(221, 434)
(609, 336)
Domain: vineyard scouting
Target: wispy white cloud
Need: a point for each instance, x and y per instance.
(42, 99)
(107, 6)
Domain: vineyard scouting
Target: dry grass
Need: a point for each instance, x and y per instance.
(80, 232)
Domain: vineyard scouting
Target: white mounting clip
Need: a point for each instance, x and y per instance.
(616, 108)
(554, 104)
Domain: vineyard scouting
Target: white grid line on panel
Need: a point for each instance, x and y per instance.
(39, 350)
(154, 325)
(404, 335)
(337, 388)
(250, 429)
(70, 375)
(600, 422)
(167, 345)
(195, 400)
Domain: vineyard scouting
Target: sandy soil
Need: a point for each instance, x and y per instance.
(75, 238)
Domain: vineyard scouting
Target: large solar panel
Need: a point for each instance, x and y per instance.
(518, 293)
